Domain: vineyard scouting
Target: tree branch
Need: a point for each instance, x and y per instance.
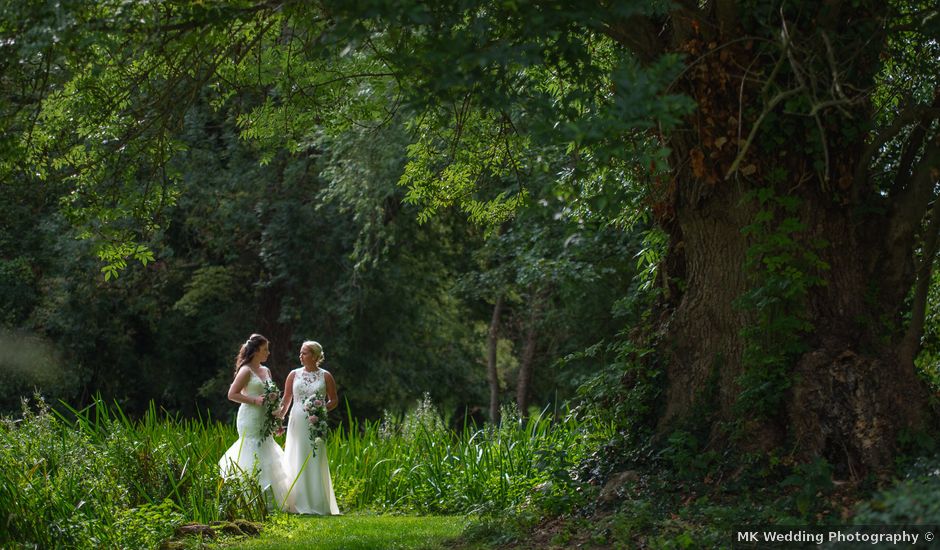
(911, 205)
(913, 146)
(916, 140)
(919, 24)
(912, 114)
(798, 72)
(910, 346)
(639, 35)
(750, 137)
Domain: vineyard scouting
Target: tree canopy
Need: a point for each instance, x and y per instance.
(783, 159)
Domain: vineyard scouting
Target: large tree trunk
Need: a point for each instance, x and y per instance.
(852, 389)
(851, 394)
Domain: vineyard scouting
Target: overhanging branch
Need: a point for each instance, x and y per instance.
(911, 115)
(910, 346)
(638, 34)
(911, 204)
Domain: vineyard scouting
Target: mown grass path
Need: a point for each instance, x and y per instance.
(355, 532)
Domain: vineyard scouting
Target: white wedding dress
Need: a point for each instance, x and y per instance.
(312, 491)
(250, 451)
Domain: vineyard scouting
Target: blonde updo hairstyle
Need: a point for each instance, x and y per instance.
(316, 349)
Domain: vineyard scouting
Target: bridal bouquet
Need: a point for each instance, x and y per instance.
(315, 408)
(271, 402)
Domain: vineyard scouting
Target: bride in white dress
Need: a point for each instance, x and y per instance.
(252, 451)
(312, 491)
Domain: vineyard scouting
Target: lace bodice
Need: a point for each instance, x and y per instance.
(308, 383)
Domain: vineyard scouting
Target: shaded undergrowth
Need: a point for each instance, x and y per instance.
(673, 495)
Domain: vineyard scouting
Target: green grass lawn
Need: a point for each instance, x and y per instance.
(356, 532)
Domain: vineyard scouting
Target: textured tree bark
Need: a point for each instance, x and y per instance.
(852, 391)
(704, 329)
(492, 375)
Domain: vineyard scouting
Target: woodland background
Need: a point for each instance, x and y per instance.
(702, 235)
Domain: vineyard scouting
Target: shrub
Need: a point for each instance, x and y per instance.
(92, 478)
(915, 499)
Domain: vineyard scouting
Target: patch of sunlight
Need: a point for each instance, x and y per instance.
(355, 532)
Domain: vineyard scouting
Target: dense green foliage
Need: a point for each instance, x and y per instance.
(308, 246)
(94, 478)
(418, 464)
(252, 150)
(912, 501)
(785, 272)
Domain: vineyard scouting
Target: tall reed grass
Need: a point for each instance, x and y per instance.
(94, 478)
(416, 464)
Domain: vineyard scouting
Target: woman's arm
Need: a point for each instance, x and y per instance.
(331, 400)
(235, 390)
(288, 395)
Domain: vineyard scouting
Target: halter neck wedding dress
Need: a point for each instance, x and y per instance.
(312, 490)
